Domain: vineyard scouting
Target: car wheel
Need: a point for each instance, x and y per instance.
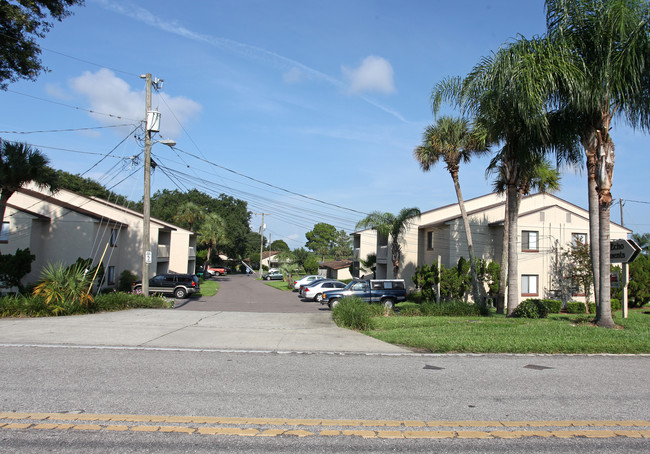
(318, 298)
(333, 303)
(388, 303)
(180, 293)
(268, 278)
(137, 289)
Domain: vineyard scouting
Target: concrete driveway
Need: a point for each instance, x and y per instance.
(246, 315)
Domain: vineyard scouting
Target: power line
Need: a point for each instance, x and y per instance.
(66, 130)
(272, 185)
(72, 107)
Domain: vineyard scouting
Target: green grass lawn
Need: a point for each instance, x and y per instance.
(559, 333)
(281, 285)
(209, 288)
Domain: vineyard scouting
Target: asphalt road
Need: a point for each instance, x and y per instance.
(108, 399)
(154, 395)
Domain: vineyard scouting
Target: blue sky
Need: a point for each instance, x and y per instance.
(323, 101)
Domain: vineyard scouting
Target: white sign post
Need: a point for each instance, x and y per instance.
(623, 252)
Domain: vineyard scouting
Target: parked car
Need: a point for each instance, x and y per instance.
(216, 270)
(304, 280)
(384, 291)
(179, 285)
(274, 276)
(301, 290)
(315, 292)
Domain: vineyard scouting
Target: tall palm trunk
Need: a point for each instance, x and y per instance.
(590, 144)
(604, 173)
(501, 296)
(605, 319)
(470, 246)
(513, 200)
(594, 229)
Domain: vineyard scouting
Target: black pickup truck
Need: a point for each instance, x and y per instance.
(384, 291)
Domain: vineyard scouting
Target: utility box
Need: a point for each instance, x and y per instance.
(153, 121)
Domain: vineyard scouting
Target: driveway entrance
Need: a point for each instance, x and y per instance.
(241, 293)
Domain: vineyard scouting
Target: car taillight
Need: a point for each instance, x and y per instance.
(193, 284)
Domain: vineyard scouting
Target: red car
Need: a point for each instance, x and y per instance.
(216, 270)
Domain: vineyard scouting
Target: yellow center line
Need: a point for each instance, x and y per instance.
(273, 427)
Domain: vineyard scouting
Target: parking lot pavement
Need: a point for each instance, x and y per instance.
(241, 293)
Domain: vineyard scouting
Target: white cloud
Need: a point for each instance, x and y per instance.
(115, 101)
(56, 91)
(294, 75)
(375, 74)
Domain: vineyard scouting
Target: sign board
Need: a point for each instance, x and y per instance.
(147, 257)
(623, 251)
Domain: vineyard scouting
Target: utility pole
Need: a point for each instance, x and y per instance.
(146, 201)
(262, 227)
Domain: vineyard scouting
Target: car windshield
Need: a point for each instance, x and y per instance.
(350, 284)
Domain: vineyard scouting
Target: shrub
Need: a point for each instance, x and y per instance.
(450, 308)
(553, 306)
(576, 307)
(353, 313)
(127, 277)
(616, 306)
(117, 301)
(65, 287)
(531, 308)
(408, 308)
(415, 297)
(36, 306)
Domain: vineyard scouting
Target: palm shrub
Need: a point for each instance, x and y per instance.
(353, 313)
(64, 287)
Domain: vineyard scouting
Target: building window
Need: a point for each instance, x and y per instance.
(578, 238)
(113, 241)
(529, 241)
(430, 241)
(111, 275)
(4, 233)
(529, 285)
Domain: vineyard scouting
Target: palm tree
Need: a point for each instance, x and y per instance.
(453, 141)
(509, 94)
(190, 214)
(390, 226)
(20, 164)
(212, 234)
(542, 177)
(611, 40)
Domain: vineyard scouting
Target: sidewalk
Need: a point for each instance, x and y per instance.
(199, 324)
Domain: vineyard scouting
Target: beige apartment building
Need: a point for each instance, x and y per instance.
(544, 222)
(61, 227)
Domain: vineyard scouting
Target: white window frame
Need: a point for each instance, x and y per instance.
(526, 244)
(110, 275)
(114, 235)
(574, 238)
(526, 281)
